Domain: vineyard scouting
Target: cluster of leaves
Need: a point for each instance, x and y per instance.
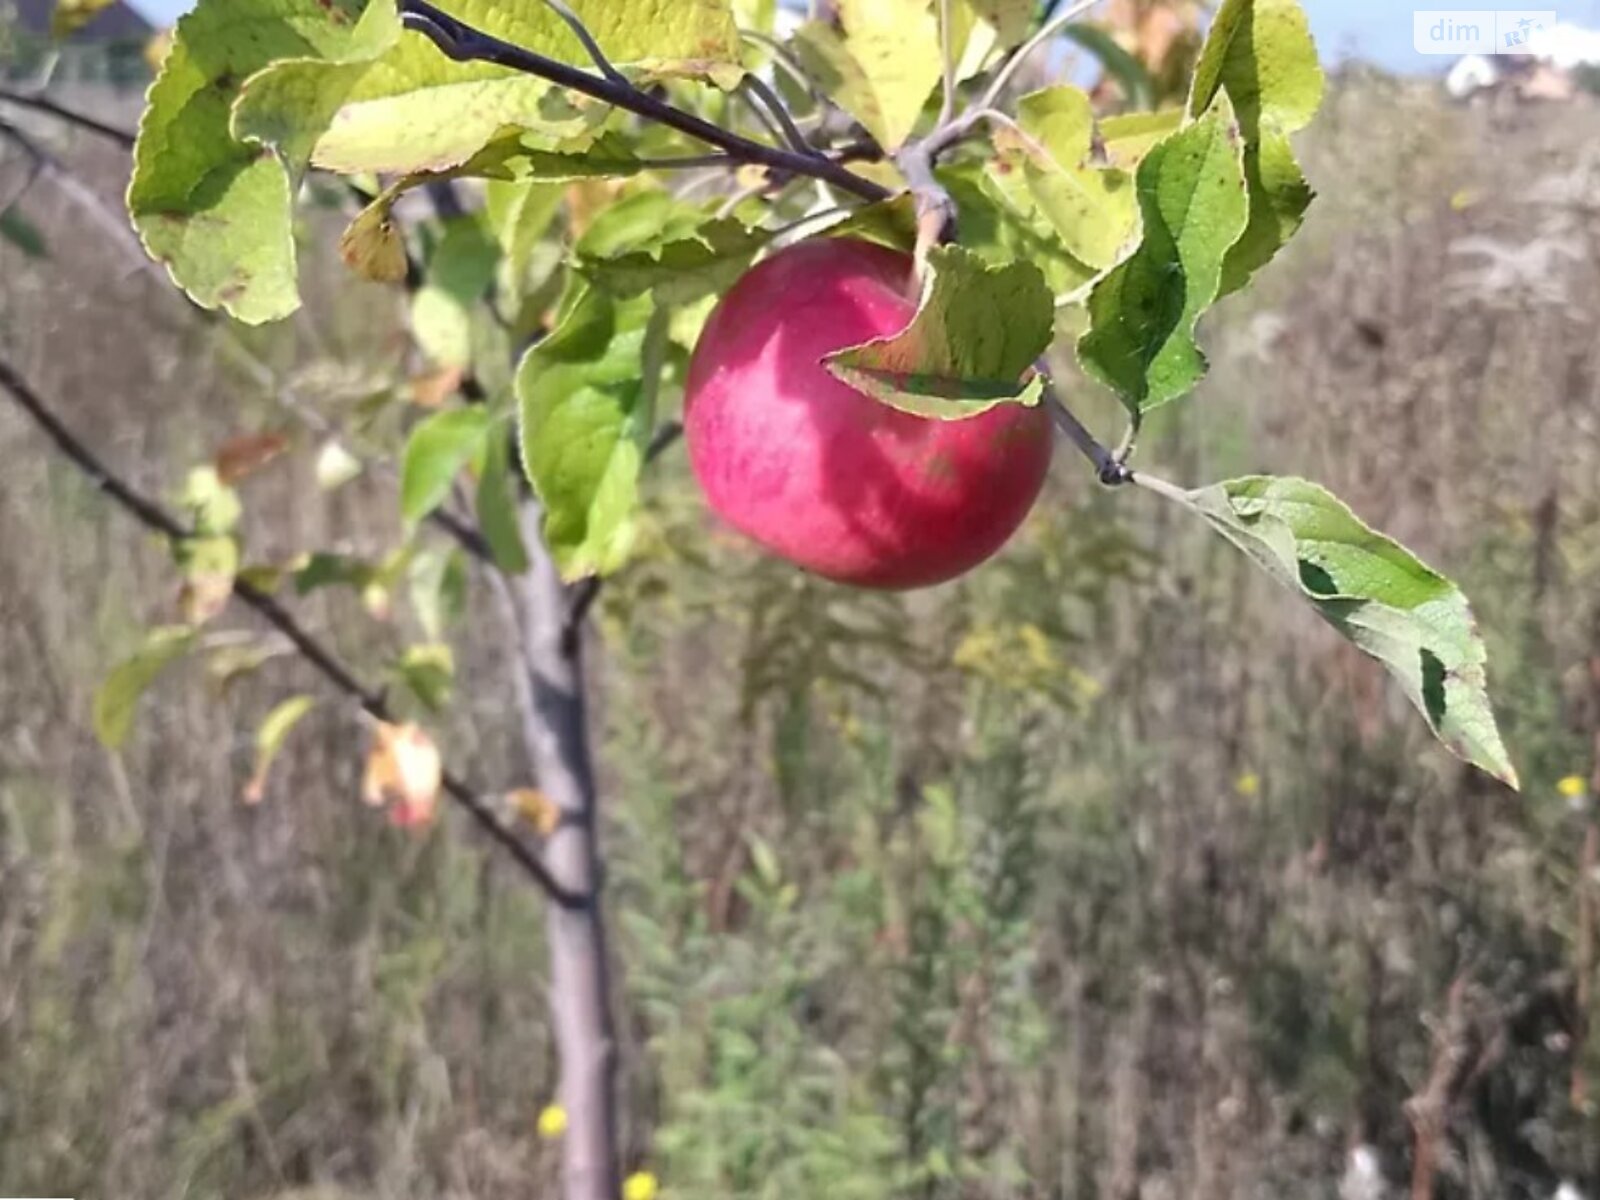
(596, 257)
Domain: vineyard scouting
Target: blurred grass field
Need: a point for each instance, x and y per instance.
(1105, 872)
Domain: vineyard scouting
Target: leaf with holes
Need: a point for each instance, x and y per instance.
(1374, 592)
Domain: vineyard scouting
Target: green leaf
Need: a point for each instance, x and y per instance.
(586, 397)
(639, 222)
(438, 580)
(436, 452)
(1262, 53)
(978, 331)
(428, 673)
(270, 737)
(1128, 137)
(519, 214)
(209, 565)
(1092, 208)
(22, 233)
(211, 505)
(497, 506)
(457, 276)
(117, 699)
(705, 263)
(1009, 19)
(882, 68)
(324, 569)
(408, 108)
(1374, 592)
(1143, 314)
(214, 210)
(999, 221)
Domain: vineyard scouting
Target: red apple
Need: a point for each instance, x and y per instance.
(825, 476)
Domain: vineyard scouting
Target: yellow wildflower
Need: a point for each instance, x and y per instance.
(640, 1186)
(1248, 784)
(1572, 787)
(552, 1122)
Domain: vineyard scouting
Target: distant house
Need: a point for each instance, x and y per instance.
(116, 23)
(109, 49)
(1562, 61)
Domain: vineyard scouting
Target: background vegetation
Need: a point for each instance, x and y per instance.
(1102, 873)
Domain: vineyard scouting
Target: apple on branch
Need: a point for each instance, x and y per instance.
(824, 475)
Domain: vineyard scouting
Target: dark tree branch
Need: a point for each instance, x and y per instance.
(1111, 470)
(463, 43)
(326, 662)
(82, 120)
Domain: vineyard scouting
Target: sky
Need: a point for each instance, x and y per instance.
(1378, 30)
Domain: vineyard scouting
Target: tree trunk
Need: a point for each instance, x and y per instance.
(550, 691)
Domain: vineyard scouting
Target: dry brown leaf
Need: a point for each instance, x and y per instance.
(240, 457)
(434, 388)
(404, 774)
(536, 808)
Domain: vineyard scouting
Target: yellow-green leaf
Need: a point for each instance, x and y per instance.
(1092, 207)
(1143, 314)
(436, 452)
(586, 398)
(117, 699)
(215, 210)
(881, 68)
(1262, 53)
(274, 731)
(973, 343)
(409, 108)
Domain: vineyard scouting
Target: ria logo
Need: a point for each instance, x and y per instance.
(1480, 31)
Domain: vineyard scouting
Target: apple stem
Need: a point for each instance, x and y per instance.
(1112, 470)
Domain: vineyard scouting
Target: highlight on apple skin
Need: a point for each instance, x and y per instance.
(825, 476)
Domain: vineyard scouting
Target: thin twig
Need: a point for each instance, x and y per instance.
(463, 43)
(372, 701)
(1047, 31)
(1153, 483)
(1111, 472)
(590, 46)
(781, 55)
(769, 99)
(947, 135)
(82, 120)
